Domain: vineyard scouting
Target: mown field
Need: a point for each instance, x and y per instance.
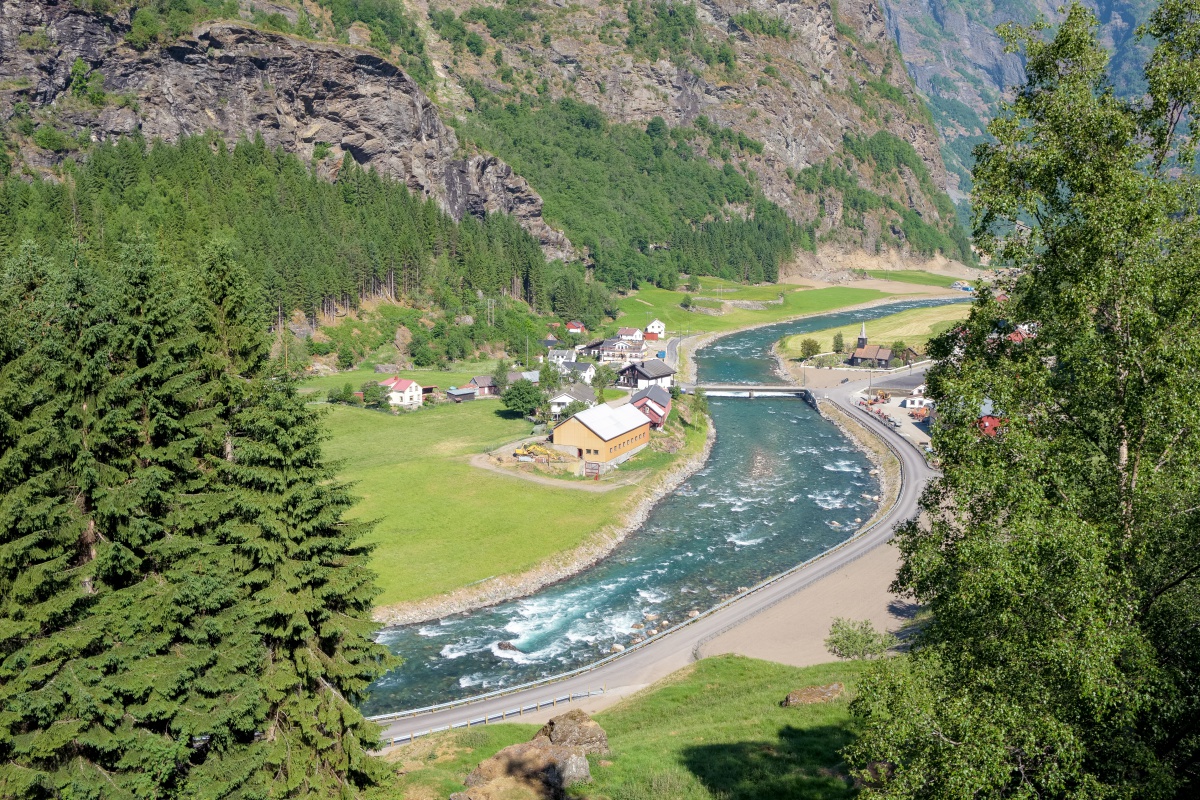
(441, 523)
(650, 303)
(712, 730)
(914, 327)
(912, 276)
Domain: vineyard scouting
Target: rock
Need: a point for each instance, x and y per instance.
(242, 82)
(386, 368)
(637, 626)
(539, 764)
(464, 319)
(693, 614)
(650, 617)
(508, 646)
(576, 729)
(813, 694)
(616, 648)
(742, 589)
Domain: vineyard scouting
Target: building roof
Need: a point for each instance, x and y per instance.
(563, 354)
(399, 384)
(576, 391)
(656, 393)
(654, 368)
(483, 381)
(875, 352)
(657, 321)
(647, 405)
(615, 344)
(608, 423)
(578, 366)
(533, 376)
(575, 324)
(461, 390)
(628, 331)
(989, 426)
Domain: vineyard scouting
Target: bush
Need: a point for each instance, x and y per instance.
(809, 348)
(857, 639)
(839, 342)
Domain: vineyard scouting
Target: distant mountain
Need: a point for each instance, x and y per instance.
(958, 62)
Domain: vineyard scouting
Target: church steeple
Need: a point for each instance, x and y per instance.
(862, 336)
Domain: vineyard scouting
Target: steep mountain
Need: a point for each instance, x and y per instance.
(958, 61)
(728, 112)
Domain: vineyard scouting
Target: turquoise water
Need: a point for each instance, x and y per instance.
(782, 485)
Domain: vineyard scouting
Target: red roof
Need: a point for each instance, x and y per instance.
(575, 325)
(989, 426)
(398, 384)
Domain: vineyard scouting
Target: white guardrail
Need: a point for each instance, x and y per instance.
(595, 665)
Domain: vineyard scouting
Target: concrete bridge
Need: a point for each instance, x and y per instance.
(751, 390)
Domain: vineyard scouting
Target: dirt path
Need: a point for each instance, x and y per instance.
(630, 479)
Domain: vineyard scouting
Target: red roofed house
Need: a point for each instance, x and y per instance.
(630, 334)
(575, 326)
(402, 392)
(655, 403)
(989, 426)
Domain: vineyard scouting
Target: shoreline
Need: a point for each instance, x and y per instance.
(557, 568)
(600, 545)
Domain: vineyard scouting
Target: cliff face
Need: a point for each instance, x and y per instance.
(826, 70)
(240, 81)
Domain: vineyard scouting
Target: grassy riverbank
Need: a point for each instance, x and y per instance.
(915, 327)
(916, 276)
(712, 730)
(650, 303)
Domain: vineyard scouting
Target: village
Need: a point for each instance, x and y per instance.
(565, 393)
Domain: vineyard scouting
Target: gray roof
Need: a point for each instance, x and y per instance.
(654, 368)
(577, 391)
(483, 380)
(563, 354)
(460, 390)
(608, 423)
(656, 393)
(577, 366)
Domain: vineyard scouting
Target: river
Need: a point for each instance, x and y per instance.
(782, 485)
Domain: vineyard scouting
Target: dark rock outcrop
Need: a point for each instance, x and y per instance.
(243, 82)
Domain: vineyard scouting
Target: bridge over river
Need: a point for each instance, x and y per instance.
(751, 390)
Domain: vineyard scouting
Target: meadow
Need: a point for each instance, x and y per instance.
(912, 276)
(712, 730)
(914, 327)
(647, 304)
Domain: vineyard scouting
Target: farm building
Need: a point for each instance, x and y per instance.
(603, 434)
(461, 394)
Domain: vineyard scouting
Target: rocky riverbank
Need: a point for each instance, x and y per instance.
(560, 567)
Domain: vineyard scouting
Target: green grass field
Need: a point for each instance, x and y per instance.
(915, 327)
(443, 379)
(712, 730)
(911, 276)
(640, 308)
(441, 523)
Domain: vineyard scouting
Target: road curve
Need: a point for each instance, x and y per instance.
(667, 653)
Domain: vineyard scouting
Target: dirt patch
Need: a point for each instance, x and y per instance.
(811, 695)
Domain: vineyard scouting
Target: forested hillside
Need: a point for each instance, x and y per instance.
(307, 243)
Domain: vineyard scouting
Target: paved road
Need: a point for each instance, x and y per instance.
(672, 358)
(665, 654)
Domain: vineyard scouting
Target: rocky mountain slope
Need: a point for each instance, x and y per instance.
(958, 61)
(805, 82)
(310, 98)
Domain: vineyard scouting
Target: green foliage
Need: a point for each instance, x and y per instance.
(672, 28)
(809, 348)
(511, 22)
(857, 639)
(839, 342)
(451, 28)
(754, 21)
(618, 189)
(572, 408)
(182, 609)
(605, 377)
(307, 242)
(390, 27)
(48, 137)
(374, 395)
(36, 41)
(1059, 558)
(523, 397)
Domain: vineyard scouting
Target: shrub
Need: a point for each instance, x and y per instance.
(857, 639)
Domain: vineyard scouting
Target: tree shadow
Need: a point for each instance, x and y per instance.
(802, 764)
(903, 609)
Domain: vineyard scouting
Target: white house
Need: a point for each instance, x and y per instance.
(578, 371)
(559, 356)
(402, 393)
(649, 373)
(658, 327)
(576, 393)
(630, 334)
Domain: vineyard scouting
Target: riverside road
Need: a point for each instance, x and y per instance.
(667, 653)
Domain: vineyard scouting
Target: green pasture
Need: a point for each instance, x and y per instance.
(914, 327)
(912, 276)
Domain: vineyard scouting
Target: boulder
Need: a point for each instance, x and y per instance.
(576, 729)
(813, 694)
(508, 646)
(532, 764)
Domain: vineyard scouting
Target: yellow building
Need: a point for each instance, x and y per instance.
(604, 434)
